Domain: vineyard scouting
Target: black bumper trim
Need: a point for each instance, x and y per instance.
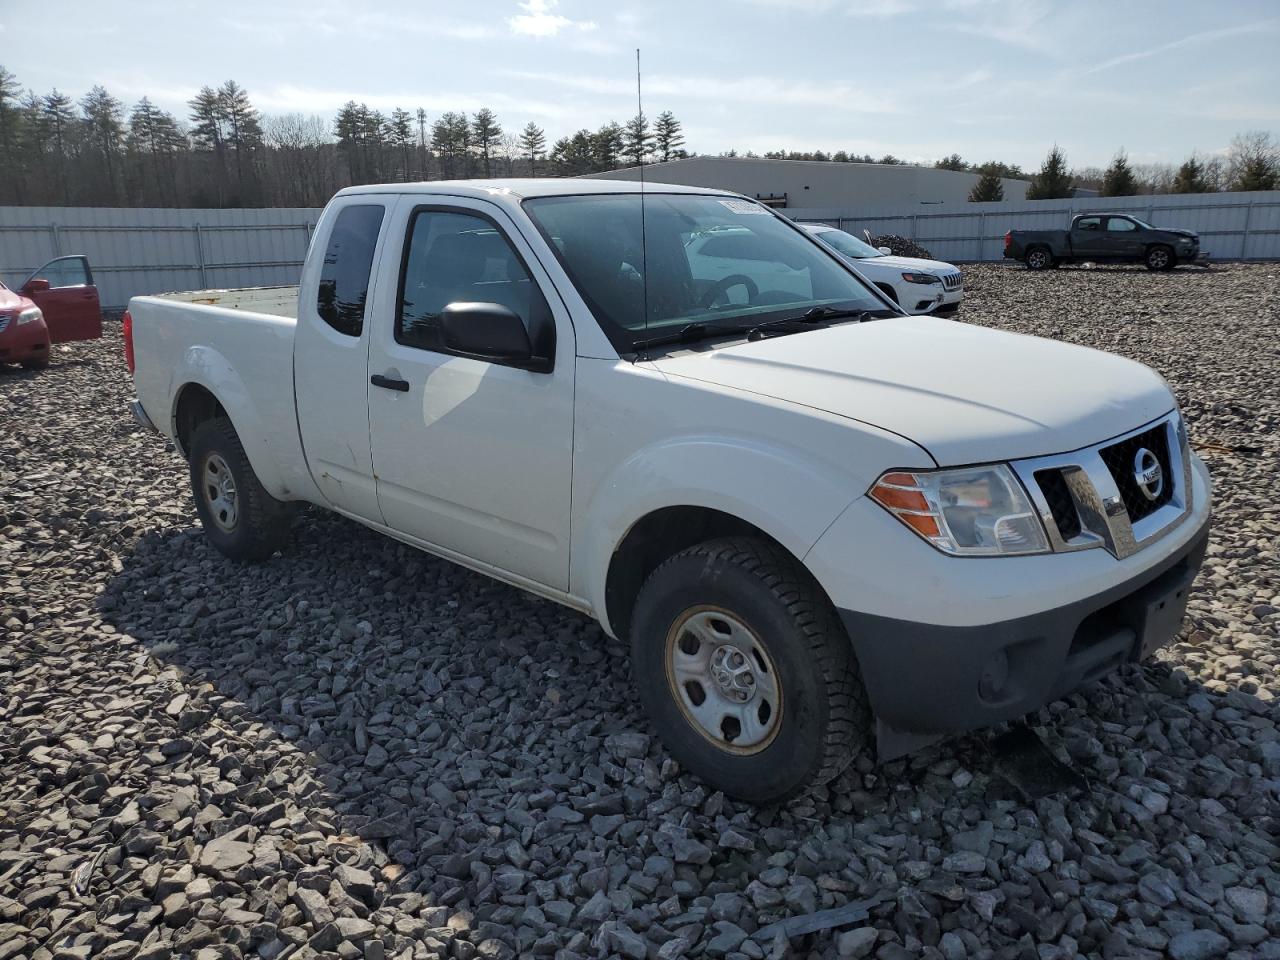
(926, 680)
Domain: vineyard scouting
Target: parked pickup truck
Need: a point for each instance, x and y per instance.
(1103, 238)
(823, 527)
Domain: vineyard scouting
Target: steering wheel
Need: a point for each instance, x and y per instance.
(724, 284)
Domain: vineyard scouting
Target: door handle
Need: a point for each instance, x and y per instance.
(389, 383)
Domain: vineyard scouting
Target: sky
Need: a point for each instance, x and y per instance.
(921, 79)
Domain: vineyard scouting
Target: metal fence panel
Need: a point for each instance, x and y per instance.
(140, 251)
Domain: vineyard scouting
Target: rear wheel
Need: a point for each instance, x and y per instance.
(746, 671)
(1160, 257)
(1039, 258)
(239, 517)
(35, 363)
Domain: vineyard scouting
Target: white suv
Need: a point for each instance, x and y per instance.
(917, 286)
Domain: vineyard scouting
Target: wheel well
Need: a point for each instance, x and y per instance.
(888, 291)
(195, 405)
(652, 540)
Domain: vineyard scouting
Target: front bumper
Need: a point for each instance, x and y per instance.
(28, 341)
(928, 679)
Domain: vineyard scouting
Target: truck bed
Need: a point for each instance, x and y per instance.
(273, 301)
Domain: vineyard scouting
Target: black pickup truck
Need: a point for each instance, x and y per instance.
(1103, 238)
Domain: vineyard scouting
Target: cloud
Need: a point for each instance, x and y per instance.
(748, 89)
(540, 20)
(1205, 36)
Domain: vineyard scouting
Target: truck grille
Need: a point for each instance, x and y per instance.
(1058, 495)
(1119, 459)
(952, 281)
(1097, 497)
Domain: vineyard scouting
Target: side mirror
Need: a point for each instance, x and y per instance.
(887, 251)
(489, 331)
(35, 285)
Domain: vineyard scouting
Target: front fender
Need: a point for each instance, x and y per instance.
(790, 495)
(206, 367)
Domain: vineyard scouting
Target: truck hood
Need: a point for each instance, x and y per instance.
(966, 394)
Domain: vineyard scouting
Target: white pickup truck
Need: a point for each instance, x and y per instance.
(824, 527)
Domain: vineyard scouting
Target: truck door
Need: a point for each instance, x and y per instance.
(1087, 238)
(63, 289)
(472, 457)
(331, 352)
(1123, 239)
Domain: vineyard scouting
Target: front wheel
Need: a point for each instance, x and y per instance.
(746, 671)
(1160, 258)
(239, 517)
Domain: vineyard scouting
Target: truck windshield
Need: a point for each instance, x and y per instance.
(718, 261)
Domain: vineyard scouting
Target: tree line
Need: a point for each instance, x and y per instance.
(55, 150)
(1252, 162)
(95, 151)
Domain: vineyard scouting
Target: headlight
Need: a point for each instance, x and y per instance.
(30, 315)
(971, 511)
(920, 278)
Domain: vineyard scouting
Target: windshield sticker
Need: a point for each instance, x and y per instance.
(742, 206)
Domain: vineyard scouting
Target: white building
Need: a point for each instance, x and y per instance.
(817, 183)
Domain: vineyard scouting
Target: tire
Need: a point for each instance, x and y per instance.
(38, 363)
(888, 291)
(239, 517)
(1160, 257)
(808, 710)
(1038, 258)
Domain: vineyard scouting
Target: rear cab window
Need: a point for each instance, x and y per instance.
(348, 261)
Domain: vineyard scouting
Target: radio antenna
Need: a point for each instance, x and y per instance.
(644, 246)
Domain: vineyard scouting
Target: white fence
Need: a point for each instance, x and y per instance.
(137, 251)
(1232, 226)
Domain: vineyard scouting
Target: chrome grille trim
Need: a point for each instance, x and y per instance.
(5, 319)
(1104, 521)
(952, 281)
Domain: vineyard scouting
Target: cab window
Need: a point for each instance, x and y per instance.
(348, 259)
(459, 257)
(1120, 225)
(1089, 223)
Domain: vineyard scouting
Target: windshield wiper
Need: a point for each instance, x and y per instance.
(812, 315)
(699, 330)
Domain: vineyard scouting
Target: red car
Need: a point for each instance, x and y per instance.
(57, 303)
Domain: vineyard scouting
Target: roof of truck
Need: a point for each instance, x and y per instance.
(521, 188)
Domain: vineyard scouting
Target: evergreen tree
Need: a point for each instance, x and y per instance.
(533, 142)
(989, 185)
(450, 138)
(57, 118)
(637, 140)
(485, 134)
(1191, 178)
(400, 129)
(104, 116)
(668, 140)
(348, 125)
(207, 120)
(607, 145)
(953, 162)
(10, 136)
(1052, 182)
(1119, 180)
(243, 134)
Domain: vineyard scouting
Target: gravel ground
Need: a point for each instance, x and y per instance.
(356, 750)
